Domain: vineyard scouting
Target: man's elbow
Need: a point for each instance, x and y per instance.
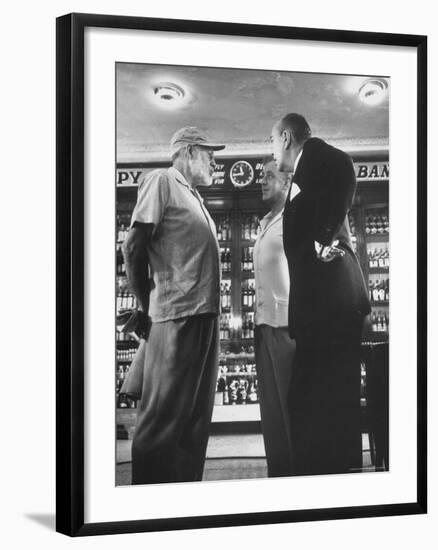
(134, 251)
(131, 250)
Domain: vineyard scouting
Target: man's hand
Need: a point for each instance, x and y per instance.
(328, 253)
(137, 322)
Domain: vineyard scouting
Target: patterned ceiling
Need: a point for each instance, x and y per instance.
(239, 108)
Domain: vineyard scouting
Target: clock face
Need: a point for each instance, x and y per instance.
(241, 173)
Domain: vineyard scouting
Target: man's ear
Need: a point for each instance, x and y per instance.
(286, 138)
(288, 179)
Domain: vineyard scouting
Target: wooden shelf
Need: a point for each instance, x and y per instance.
(377, 238)
(236, 413)
(249, 374)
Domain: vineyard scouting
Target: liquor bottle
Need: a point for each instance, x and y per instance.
(247, 230)
(220, 235)
(384, 323)
(379, 322)
(251, 327)
(226, 394)
(233, 392)
(387, 290)
(228, 328)
(242, 392)
(376, 291)
(387, 258)
(254, 227)
(251, 295)
(381, 291)
(252, 394)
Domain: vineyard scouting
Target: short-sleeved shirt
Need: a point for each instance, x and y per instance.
(271, 274)
(184, 255)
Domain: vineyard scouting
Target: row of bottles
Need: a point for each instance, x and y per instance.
(225, 328)
(236, 391)
(249, 227)
(247, 261)
(225, 296)
(376, 222)
(125, 402)
(248, 293)
(379, 321)
(242, 367)
(378, 257)
(229, 357)
(226, 260)
(247, 330)
(122, 232)
(120, 261)
(125, 300)
(353, 233)
(124, 337)
(223, 228)
(229, 331)
(126, 354)
(379, 290)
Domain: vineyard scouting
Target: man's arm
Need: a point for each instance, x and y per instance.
(135, 252)
(337, 186)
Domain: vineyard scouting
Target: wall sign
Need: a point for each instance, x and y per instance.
(242, 173)
(376, 171)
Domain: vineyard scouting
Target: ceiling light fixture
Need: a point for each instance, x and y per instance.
(167, 91)
(372, 91)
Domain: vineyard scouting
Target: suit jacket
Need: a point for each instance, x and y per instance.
(322, 292)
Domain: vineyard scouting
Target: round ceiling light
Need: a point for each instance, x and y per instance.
(373, 91)
(167, 91)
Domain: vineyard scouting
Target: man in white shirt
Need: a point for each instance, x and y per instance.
(172, 263)
(274, 348)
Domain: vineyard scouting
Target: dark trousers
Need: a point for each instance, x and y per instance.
(173, 419)
(324, 398)
(274, 353)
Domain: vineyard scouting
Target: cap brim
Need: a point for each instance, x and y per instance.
(212, 146)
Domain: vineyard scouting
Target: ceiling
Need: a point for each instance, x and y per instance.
(239, 108)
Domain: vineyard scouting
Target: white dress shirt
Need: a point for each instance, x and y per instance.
(295, 190)
(271, 273)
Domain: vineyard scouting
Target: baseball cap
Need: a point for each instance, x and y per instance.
(191, 135)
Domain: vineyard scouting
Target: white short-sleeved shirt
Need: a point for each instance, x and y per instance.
(184, 253)
(271, 274)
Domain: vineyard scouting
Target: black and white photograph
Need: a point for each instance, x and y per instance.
(252, 248)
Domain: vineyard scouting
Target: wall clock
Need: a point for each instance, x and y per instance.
(241, 173)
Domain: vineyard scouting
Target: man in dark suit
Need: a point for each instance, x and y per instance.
(328, 301)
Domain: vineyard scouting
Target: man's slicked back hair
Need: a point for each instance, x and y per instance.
(297, 125)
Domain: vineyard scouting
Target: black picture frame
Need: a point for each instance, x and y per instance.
(70, 273)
